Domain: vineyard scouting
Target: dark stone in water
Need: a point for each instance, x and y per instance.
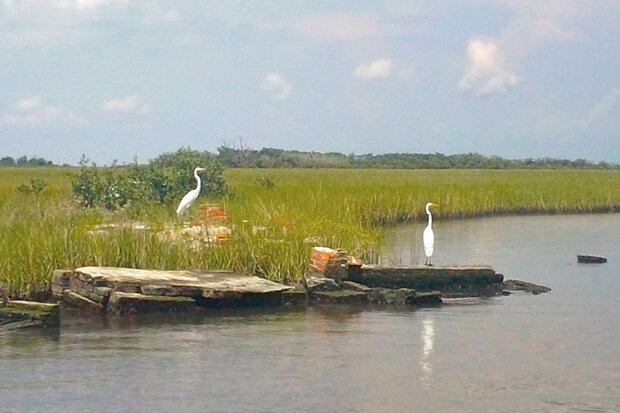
(517, 285)
(19, 314)
(295, 297)
(400, 296)
(427, 298)
(353, 286)
(339, 297)
(591, 259)
(315, 283)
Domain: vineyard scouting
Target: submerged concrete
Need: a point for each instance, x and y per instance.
(447, 279)
(19, 314)
(590, 259)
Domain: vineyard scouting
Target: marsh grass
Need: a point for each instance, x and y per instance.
(274, 225)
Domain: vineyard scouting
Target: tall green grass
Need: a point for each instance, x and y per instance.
(273, 226)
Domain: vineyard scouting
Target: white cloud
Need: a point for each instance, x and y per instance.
(376, 69)
(128, 104)
(93, 4)
(602, 108)
(309, 21)
(65, 4)
(157, 15)
(277, 86)
(28, 104)
(535, 24)
(339, 27)
(30, 112)
(525, 34)
(485, 72)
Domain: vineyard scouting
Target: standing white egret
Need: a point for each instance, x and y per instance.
(429, 236)
(191, 196)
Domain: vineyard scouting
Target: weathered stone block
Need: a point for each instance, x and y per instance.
(78, 300)
(353, 286)
(315, 283)
(127, 287)
(171, 290)
(339, 297)
(58, 291)
(427, 298)
(453, 279)
(80, 284)
(517, 285)
(34, 306)
(158, 289)
(213, 294)
(61, 277)
(129, 303)
(18, 314)
(591, 259)
(294, 297)
(399, 296)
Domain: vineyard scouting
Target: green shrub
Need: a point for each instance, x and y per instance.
(163, 180)
(36, 186)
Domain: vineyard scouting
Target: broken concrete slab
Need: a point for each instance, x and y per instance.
(19, 314)
(427, 278)
(339, 297)
(590, 259)
(200, 279)
(524, 286)
(77, 300)
(318, 283)
(94, 287)
(400, 296)
(294, 297)
(353, 286)
(131, 303)
(427, 298)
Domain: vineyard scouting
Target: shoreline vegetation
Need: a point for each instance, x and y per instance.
(275, 217)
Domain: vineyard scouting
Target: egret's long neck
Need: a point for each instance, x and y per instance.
(197, 179)
(430, 217)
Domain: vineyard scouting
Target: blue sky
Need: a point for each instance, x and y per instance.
(118, 79)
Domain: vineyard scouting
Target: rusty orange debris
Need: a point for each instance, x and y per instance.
(209, 213)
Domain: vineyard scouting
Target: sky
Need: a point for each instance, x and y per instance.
(124, 79)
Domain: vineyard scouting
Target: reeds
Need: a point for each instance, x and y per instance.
(274, 226)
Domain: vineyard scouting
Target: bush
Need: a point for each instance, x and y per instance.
(36, 186)
(264, 182)
(163, 180)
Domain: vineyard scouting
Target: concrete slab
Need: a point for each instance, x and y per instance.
(222, 281)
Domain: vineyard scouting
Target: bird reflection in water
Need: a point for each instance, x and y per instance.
(428, 341)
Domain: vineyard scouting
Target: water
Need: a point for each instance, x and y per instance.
(556, 352)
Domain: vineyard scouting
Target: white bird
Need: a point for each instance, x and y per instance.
(191, 196)
(429, 236)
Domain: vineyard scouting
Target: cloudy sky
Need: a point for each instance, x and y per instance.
(118, 79)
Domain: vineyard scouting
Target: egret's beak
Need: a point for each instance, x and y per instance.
(437, 205)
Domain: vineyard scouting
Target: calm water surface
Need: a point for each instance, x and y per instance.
(556, 352)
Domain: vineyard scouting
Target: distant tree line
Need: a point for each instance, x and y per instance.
(245, 157)
(24, 161)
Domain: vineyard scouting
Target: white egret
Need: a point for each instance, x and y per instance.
(429, 235)
(191, 196)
